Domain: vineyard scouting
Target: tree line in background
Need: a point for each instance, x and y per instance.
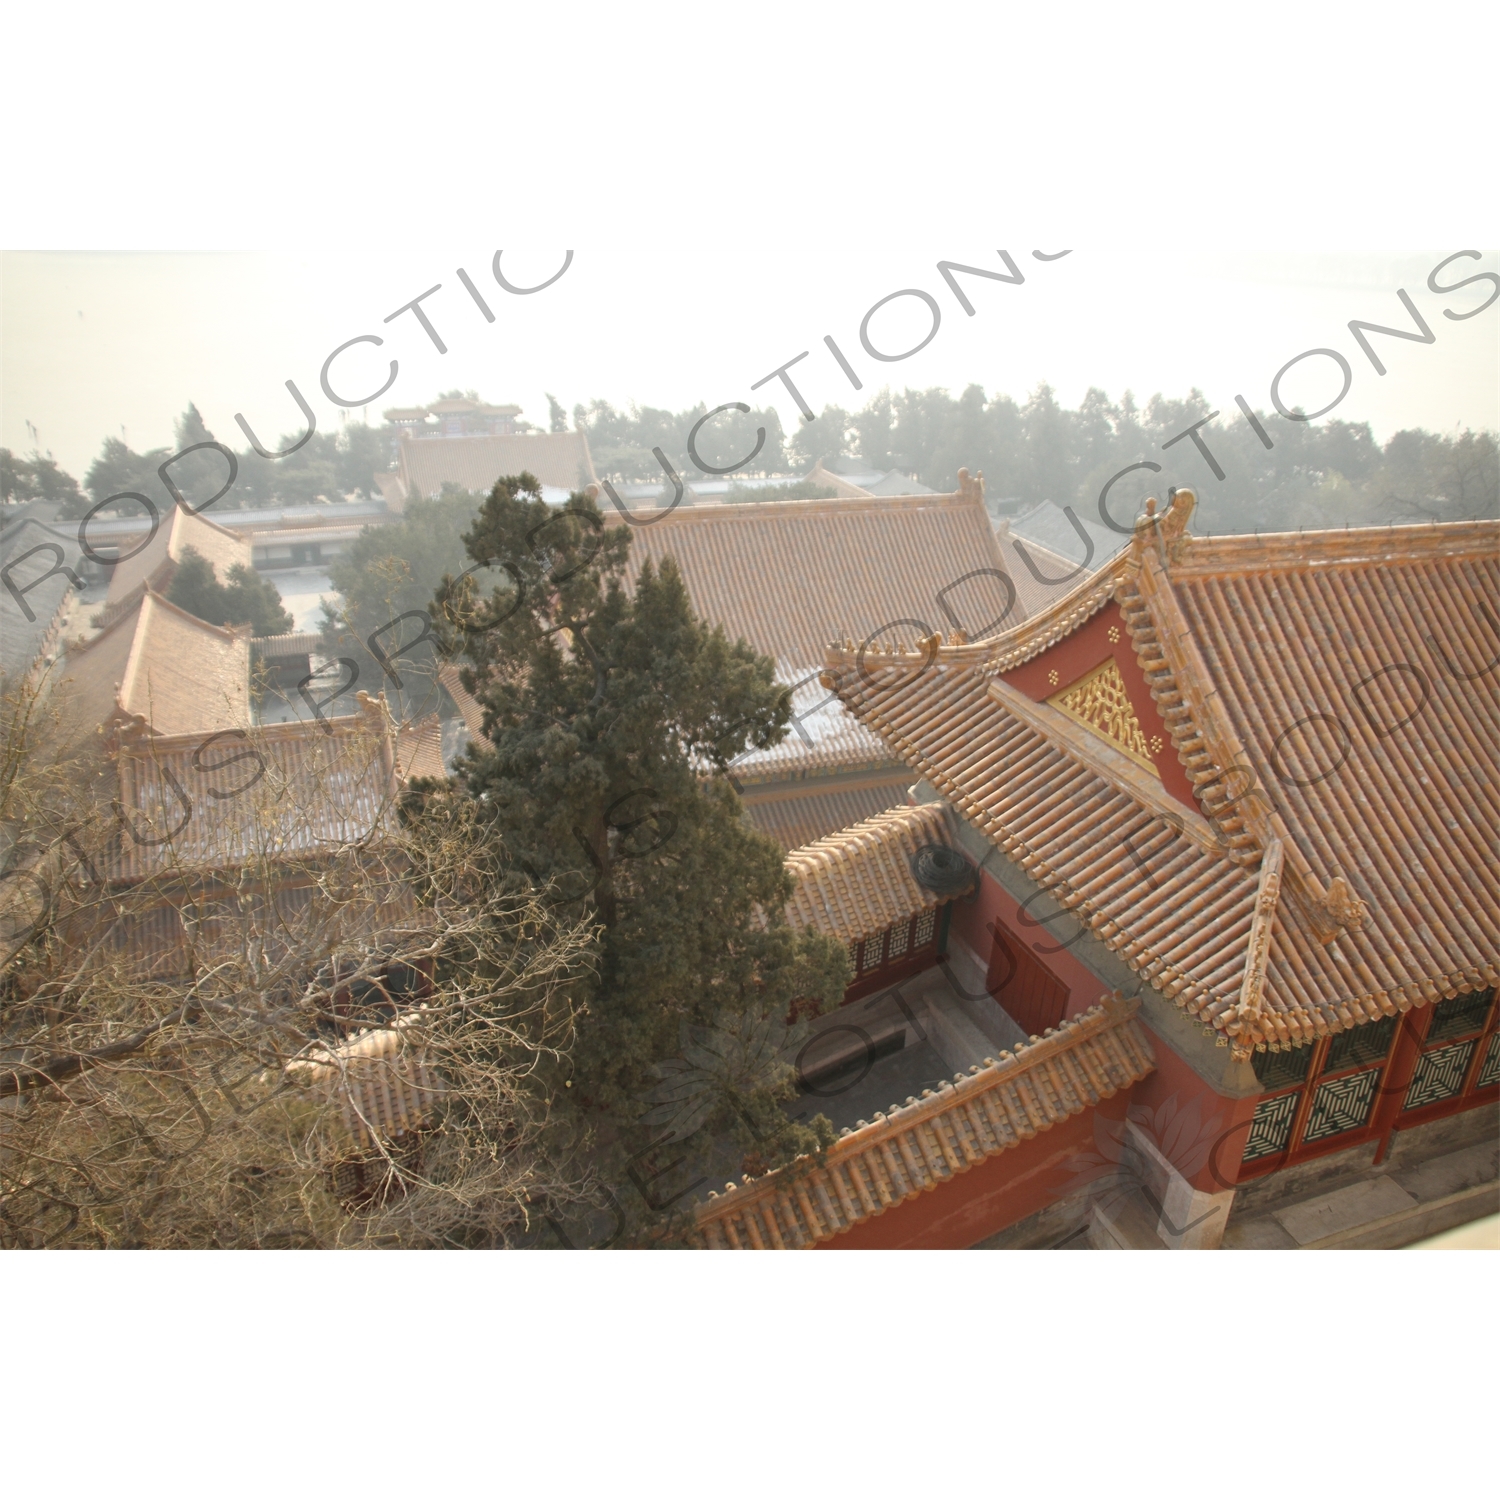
(329, 465)
(36, 478)
(1316, 475)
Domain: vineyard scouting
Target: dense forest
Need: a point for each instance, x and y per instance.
(1328, 473)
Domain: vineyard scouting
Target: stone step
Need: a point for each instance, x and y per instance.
(1421, 1220)
(1123, 1220)
(1407, 1201)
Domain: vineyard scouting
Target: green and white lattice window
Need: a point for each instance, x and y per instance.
(1460, 1053)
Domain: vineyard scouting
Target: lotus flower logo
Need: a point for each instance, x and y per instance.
(1178, 1131)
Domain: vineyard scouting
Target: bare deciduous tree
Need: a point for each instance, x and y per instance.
(318, 1011)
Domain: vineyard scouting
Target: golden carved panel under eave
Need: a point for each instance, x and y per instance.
(1099, 701)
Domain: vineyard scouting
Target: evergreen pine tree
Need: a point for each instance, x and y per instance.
(247, 599)
(613, 714)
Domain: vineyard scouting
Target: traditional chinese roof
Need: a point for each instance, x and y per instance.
(1327, 700)
(478, 408)
(380, 1082)
(792, 576)
(157, 562)
(837, 483)
(915, 1147)
(560, 460)
(800, 814)
(860, 881)
(159, 666)
(292, 643)
(239, 798)
(824, 740)
(1024, 559)
(419, 749)
(469, 707)
(35, 590)
(792, 792)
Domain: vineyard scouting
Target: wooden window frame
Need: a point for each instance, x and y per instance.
(1297, 1149)
(1470, 1094)
(892, 970)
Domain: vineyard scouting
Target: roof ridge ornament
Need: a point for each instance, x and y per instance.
(1169, 529)
(1245, 1028)
(1346, 909)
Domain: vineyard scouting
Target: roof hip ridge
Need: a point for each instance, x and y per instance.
(197, 515)
(1206, 741)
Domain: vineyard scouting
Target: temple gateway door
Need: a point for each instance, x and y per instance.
(1031, 996)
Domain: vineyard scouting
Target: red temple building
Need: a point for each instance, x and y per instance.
(1221, 967)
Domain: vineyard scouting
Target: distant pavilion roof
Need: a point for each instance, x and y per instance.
(560, 460)
(1310, 843)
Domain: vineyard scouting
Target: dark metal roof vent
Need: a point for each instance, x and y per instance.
(941, 870)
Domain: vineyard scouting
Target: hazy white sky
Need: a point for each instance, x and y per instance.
(93, 342)
(736, 186)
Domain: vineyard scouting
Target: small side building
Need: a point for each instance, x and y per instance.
(472, 450)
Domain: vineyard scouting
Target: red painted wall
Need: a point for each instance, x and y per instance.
(995, 1194)
(1081, 652)
(1200, 1132)
(995, 905)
